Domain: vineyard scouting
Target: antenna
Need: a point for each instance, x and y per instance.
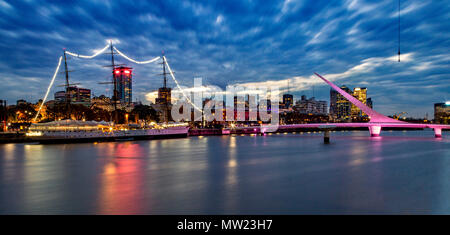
(398, 30)
(288, 86)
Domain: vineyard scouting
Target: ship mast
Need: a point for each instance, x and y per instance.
(165, 90)
(164, 70)
(67, 86)
(116, 117)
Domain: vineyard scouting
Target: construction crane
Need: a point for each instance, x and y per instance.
(398, 115)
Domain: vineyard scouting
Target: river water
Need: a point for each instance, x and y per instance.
(400, 172)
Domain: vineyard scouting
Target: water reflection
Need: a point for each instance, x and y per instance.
(286, 173)
(122, 180)
(231, 178)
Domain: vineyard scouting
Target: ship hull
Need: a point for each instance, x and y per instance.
(98, 136)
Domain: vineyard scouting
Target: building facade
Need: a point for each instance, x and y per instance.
(343, 110)
(360, 93)
(76, 96)
(311, 106)
(123, 76)
(288, 101)
(102, 102)
(164, 96)
(339, 105)
(442, 113)
(163, 104)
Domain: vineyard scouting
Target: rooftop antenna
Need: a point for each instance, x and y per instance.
(398, 30)
(288, 86)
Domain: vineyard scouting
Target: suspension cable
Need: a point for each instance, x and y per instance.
(49, 87)
(135, 61)
(88, 56)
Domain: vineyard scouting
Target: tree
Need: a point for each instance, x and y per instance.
(144, 112)
(21, 113)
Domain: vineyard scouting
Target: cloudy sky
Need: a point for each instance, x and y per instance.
(247, 42)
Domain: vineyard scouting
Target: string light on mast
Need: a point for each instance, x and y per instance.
(135, 61)
(98, 52)
(49, 87)
(179, 87)
(88, 56)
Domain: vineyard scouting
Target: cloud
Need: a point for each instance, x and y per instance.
(234, 42)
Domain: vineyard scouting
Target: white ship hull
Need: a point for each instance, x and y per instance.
(98, 135)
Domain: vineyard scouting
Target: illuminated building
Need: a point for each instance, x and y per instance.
(102, 102)
(164, 96)
(359, 93)
(343, 110)
(76, 96)
(3, 115)
(264, 105)
(340, 107)
(163, 103)
(288, 101)
(123, 77)
(311, 106)
(442, 113)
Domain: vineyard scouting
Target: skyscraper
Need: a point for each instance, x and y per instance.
(288, 100)
(123, 77)
(333, 102)
(340, 107)
(442, 112)
(359, 93)
(164, 96)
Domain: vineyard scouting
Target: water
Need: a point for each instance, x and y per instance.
(401, 172)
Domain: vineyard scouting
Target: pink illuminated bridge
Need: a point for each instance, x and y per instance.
(376, 123)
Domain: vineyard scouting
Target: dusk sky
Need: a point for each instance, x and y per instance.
(352, 43)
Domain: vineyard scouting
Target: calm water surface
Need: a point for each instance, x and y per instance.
(401, 172)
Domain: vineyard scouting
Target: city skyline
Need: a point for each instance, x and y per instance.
(236, 42)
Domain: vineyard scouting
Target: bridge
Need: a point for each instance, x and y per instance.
(376, 123)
